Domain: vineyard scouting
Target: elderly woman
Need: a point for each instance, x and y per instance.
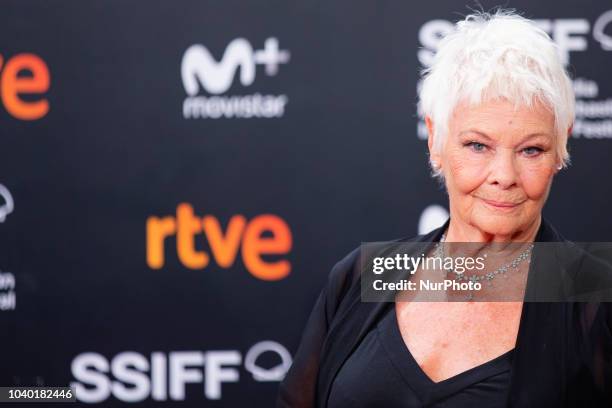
(499, 107)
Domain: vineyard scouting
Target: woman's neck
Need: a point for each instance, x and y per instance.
(459, 231)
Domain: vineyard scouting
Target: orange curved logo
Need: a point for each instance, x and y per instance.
(263, 235)
(13, 85)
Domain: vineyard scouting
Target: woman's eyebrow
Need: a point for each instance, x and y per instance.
(478, 132)
(533, 136)
(524, 139)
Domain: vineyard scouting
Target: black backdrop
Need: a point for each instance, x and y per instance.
(303, 163)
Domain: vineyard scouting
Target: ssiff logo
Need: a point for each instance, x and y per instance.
(8, 296)
(7, 206)
(131, 376)
(13, 85)
(263, 236)
(199, 69)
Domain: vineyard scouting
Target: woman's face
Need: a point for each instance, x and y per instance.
(498, 163)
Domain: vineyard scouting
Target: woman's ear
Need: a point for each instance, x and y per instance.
(559, 165)
(434, 157)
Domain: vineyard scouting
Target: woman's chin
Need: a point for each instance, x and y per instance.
(497, 224)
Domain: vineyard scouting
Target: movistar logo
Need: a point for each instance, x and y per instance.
(199, 67)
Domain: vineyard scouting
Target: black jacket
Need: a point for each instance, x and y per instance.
(562, 358)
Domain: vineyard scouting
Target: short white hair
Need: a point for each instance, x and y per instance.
(490, 56)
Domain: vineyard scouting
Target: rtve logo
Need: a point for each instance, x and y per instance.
(265, 234)
(199, 68)
(13, 84)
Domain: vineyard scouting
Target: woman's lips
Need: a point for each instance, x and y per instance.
(501, 205)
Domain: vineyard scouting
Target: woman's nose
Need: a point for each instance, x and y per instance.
(502, 169)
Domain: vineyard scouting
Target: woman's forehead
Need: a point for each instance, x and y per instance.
(496, 115)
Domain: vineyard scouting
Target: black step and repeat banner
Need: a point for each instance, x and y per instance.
(178, 178)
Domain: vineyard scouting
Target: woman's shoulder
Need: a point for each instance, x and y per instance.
(346, 273)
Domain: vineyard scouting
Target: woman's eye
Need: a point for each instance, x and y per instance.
(477, 147)
(532, 151)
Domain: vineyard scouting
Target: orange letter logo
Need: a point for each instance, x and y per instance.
(12, 86)
(157, 231)
(188, 226)
(224, 245)
(224, 248)
(254, 246)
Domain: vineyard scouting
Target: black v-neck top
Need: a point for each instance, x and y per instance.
(562, 357)
(381, 372)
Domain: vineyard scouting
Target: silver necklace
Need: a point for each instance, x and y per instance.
(489, 276)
